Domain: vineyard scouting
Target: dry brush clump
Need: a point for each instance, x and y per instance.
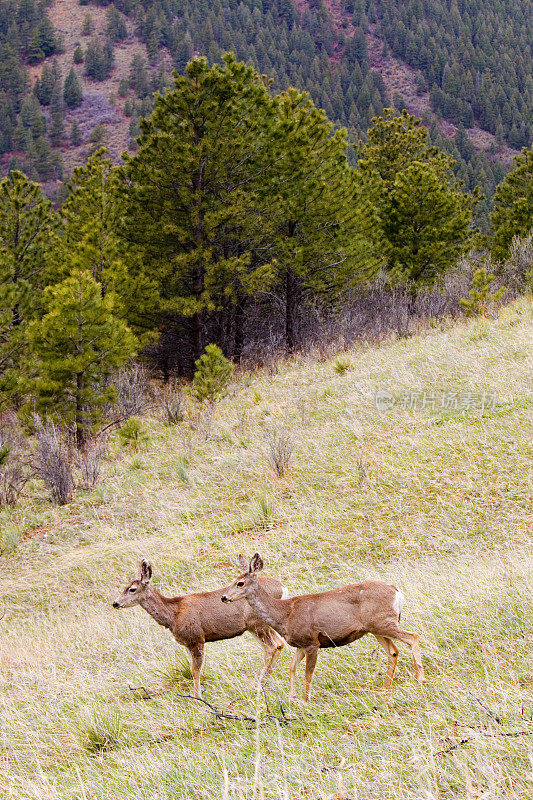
(280, 447)
(14, 462)
(53, 459)
(134, 392)
(91, 458)
(173, 402)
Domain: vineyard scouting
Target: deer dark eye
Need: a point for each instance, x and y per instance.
(241, 583)
(132, 589)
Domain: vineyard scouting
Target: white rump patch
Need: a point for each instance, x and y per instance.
(285, 593)
(398, 602)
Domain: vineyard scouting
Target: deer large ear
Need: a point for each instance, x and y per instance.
(242, 562)
(145, 572)
(256, 564)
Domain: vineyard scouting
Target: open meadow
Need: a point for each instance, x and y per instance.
(432, 491)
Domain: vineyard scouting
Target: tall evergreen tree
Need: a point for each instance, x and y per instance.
(91, 218)
(425, 216)
(232, 192)
(72, 93)
(27, 228)
(513, 201)
(76, 345)
(426, 225)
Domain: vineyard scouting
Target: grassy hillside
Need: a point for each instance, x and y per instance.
(437, 500)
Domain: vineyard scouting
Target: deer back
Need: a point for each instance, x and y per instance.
(203, 616)
(341, 616)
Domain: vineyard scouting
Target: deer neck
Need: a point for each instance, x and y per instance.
(160, 608)
(268, 608)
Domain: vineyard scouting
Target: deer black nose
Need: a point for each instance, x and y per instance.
(224, 598)
(115, 604)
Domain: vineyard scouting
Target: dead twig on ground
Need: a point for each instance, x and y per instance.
(218, 714)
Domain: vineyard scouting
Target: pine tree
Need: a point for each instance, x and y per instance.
(212, 376)
(90, 242)
(44, 86)
(233, 192)
(75, 134)
(76, 345)
(27, 230)
(90, 221)
(57, 128)
(47, 36)
(98, 60)
(72, 93)
(426, 224)
(115, 25)
(513, 205)
(35, 52)
(87, 28)
(406, 180)
(394, 142)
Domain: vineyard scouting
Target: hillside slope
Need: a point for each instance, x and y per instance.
(433, 493)
(347, 54)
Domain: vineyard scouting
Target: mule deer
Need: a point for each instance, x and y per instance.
(329, 619)
(195, 619)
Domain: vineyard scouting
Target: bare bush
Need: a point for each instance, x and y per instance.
(14, 472)
(280, 450)
(90, 460)
(53, 461)
(133, 391)
(173, 402)
(517, 270)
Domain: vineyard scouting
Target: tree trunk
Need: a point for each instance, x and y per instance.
(80, 433)
(238, 338)
(292, 297)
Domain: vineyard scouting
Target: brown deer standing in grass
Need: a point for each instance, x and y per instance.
(195, 619)
(329, 619)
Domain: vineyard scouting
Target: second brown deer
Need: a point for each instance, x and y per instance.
(329, 619)
(195, 619)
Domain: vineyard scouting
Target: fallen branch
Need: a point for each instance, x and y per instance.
(146, 694)
(485, 708)
(219, 714)
(487, 734)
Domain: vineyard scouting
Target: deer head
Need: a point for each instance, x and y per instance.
(240, 586)
(136, 590)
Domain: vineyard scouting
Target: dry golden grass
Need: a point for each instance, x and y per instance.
(438, 501)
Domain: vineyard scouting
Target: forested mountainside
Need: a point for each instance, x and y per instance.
(75, 74)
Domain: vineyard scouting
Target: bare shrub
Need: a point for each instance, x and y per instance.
(173, 402)
(90, 460)
(14, 472)
(53, 462)
(517, 270)
(133, 391)
(280, 450)
(198, 427)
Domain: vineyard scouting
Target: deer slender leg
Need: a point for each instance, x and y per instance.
(412, 640)
(310, 664)
(197, 660)
(272, 645)
(297, 657)
(276, 646)
(392, 654)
